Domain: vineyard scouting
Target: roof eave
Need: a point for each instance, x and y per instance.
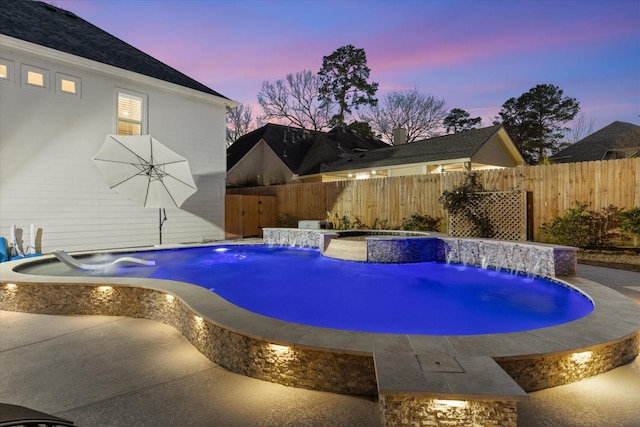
(392, 167)
(67, 58)
(511, 146)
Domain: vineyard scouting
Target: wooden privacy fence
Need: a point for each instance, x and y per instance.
(553, 188)
(246, 216)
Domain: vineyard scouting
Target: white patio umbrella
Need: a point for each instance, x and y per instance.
(145, 171)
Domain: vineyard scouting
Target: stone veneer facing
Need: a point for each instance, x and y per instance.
(536, 259)
(292, 366)
(403, 410)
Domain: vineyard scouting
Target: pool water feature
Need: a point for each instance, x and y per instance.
(301, 286)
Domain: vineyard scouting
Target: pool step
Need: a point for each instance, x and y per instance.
(351, 250)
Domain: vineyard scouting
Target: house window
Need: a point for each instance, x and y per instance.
(68, 84)
(34, 76)
(131, 113)
(6, 69)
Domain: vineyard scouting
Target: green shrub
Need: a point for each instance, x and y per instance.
(467, 200)
(287, 221)
(245, 182)
(604, 226)
(359, 225)
(418, 222)
(630, 221)
(581, 227)
(344, 223)
(380, 224)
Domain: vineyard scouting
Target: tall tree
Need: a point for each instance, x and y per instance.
(459, 120)
(419, 114)
(361, 128)
(296, 99)
(343, 78)
(535, 120)
(239, 122)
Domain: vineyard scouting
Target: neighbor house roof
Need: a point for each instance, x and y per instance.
(461, 145)
(46, 25)
(615, 141)
(303, 151)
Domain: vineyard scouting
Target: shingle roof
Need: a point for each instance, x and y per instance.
(619, 139)
(55, 28)
(303, 151)
(457, 146)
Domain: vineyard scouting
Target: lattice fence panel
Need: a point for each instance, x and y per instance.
(507, 212)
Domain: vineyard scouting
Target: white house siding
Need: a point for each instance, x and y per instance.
(495, 153)
(47, 140)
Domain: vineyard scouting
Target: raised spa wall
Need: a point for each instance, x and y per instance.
(536, 259)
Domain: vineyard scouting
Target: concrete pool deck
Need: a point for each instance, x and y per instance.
(114, 371)
(605, 324)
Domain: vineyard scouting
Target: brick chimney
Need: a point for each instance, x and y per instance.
(399, 136)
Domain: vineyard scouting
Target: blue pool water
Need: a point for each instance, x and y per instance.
(302, 286)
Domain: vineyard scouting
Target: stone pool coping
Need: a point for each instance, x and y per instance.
(491, 367)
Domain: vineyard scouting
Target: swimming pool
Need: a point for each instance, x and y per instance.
(485, 373)
(302, 286)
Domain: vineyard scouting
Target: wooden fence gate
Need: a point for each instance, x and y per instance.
(245, 216)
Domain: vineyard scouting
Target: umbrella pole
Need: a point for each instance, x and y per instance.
(162, 220)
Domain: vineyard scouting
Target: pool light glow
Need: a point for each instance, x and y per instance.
(582, 358)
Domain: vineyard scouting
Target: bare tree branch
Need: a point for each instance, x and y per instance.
(580, 129)
(239, 122)
(418, 113)
(295, 99)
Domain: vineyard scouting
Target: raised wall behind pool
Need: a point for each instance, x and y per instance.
(536, 259)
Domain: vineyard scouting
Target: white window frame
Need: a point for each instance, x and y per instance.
(143, 114)
(8, 64)
(60, 78)
(26, 69)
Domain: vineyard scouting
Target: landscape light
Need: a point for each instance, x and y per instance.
(450, 403)
(582, 358)
(279, 350)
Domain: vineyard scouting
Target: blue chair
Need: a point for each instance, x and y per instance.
(3, 250)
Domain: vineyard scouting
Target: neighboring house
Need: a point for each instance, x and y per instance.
(486, 148)
(64, 85)
(619, 140)
(277, 154)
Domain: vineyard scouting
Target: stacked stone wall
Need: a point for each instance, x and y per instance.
(403, 410)
(293, 366)
(553, 370)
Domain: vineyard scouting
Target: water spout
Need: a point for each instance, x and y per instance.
(485, 262)
(453, 254)
(533, 262)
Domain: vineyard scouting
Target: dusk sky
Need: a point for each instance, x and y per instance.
(474, 54)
